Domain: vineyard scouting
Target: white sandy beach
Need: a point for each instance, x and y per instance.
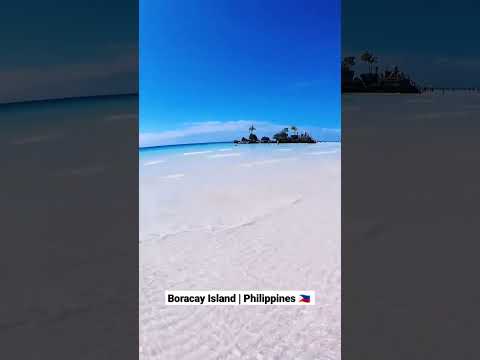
(263, 217)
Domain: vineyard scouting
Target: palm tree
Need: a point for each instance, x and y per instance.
(348, 62)
(365, 57)
(251, 129)
(373, 60)
(294, 129)
(370, 59)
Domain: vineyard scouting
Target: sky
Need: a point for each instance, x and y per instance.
(55, 49)
(210, 69)
(433, 41)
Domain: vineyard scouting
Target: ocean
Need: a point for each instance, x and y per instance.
(219, 150)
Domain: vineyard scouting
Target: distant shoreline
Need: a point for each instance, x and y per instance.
(142, 148)
(67, 98)
(185, 144)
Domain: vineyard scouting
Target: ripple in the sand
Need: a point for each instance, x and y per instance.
(150, 163)
(173, 176)
(197, 152)
(267, 162)
(322, 152)
(216, 156)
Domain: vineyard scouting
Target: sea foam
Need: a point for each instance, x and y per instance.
(223, 155)
(150, 163)
(197, 152)
(173, 176)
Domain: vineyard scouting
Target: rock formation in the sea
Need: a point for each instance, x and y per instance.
(280, 137)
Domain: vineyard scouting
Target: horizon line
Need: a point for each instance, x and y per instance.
(66, 98)
(183, 144)
(213, 142)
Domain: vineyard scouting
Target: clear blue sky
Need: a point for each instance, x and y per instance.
(208, 68)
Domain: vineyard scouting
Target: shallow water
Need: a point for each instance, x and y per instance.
(261, 216)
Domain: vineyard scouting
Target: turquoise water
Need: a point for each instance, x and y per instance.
(181, 157)
(205, 148)
(182, 148)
